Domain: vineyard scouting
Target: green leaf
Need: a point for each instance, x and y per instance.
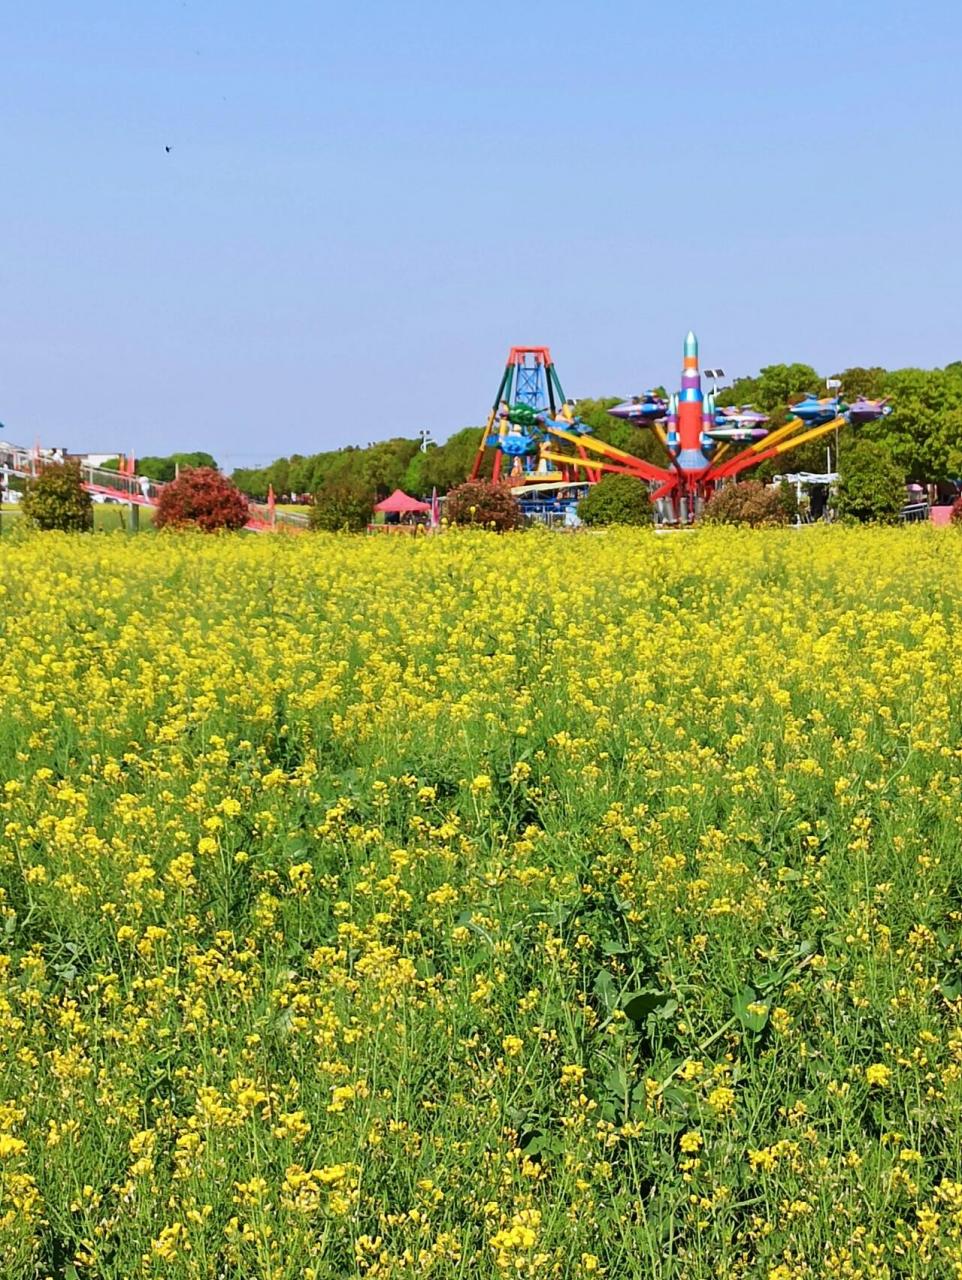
(605, 989)
(543, 1144)
(612, 947)
(677, 1097)
(750, 1019)
(616, 1082)
(639, 1004)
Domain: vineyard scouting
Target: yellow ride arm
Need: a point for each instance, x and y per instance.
(487, 429)
(584, 463)
(813, 434)
(779, 433)
(596, 446)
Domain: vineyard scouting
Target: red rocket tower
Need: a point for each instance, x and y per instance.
(690, 459)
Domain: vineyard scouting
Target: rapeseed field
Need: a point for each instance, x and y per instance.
(537, 906)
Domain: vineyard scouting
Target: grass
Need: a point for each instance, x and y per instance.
(108, 517)
(479, 906)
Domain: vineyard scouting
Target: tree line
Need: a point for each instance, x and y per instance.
(163, 469)
(379, 469)
(923, 435)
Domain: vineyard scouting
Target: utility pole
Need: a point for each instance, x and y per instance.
(834, 384)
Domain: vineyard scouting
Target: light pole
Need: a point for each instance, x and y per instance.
(426, 439)
(834, 384)
(714, 374)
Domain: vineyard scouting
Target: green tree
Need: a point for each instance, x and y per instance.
(871, 486)
(414, 482)
(862, 382)
(741, 391)
(196, 459)
(617, 500)
(160, 469)
(920, 431)
(449, 464)
(163, 469)
(382, 467)
(775, 386)
(56, 499)
(341, 507)
(302, 474)
(945, 444)
(252, 481)
(279, 475)
(778, 384)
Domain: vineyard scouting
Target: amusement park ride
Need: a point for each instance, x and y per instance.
(538, 440)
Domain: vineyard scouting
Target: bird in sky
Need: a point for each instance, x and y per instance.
(167, 149)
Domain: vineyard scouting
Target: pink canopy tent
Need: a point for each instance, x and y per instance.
(402, 503)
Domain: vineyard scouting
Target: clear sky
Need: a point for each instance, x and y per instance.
(366, 203)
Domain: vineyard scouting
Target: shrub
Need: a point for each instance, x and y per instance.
(748, 502)
(617, 500)
(341, 507)
(871, 484)
(203, 498)
(56, 499)
(483, 503)
(788, 498)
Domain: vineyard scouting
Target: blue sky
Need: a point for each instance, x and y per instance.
(366, 204)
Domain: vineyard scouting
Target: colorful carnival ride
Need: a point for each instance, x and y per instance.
(538, 439)
(529, 407)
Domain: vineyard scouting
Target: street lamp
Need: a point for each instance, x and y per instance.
(715, 375)
(834, 384)
(426, 439)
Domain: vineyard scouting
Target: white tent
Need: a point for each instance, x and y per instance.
(809, 477)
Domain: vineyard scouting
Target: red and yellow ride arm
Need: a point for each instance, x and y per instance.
(626, 461)
(751, 459)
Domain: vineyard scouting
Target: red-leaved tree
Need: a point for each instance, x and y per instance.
(201, 498)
